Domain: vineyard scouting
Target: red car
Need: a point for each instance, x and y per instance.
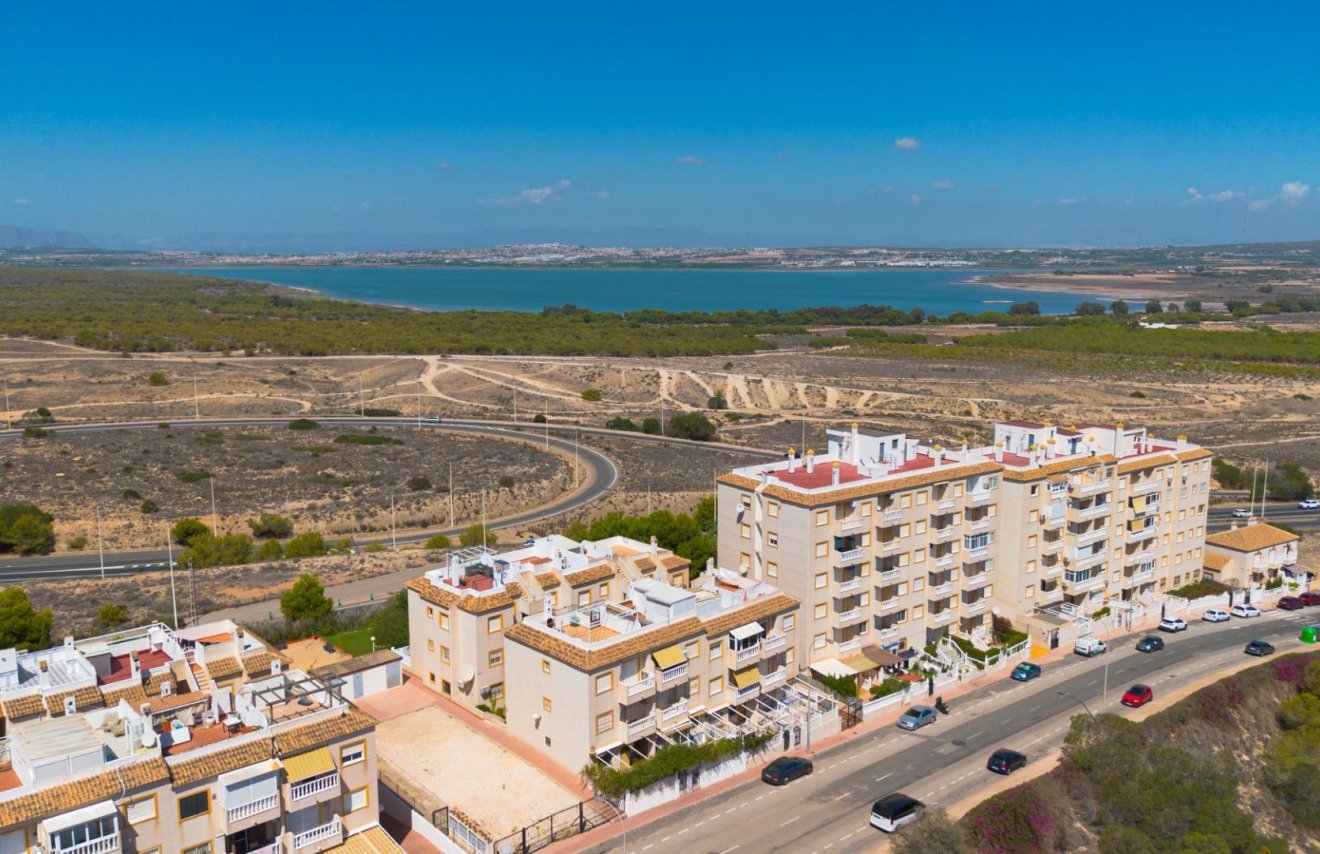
(1138, 695)
(1291, 603)
(1309, 598)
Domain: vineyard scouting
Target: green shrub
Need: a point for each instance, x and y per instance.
(77, 543)
(369, 412)
(306, 544)
(419, 483)
(268, 551)
(1200, 587)
(26, 529)
(691, 425)
(271, 526)
(665, 763)
(186, 530)
(303, 424)
(438, 541)
(375, 548)
(361, 439)
(157, 378)
(844, 686)
(476, 535)
(717, 401)
(148, 506)
(342, 546)
(131, 495)
(192, 476)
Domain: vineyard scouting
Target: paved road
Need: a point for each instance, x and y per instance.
(944, 762)
(1221, 518)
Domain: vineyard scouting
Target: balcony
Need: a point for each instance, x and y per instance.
(639, 687)
(976, 553)
(773, 643)
(314, 786)
(851, 585)
(943, 618)
(773, 678)
(260, 805)
(1145, 487)
(856, 615)
(1093, 487)
(1090, 511)
(946, 505)
(854, 524)
(100, 845)
(845, 647)
(939, 591)
(1052, 570)
(679, 709)
(276, 847)
(942, 562)
(1142, 575)
(946, 533)
(891, 516)
(974, 581)
(747, 693)
(890, 546)
(334, 829)
(1142, 533)
(746, 654)
(847, 557)
(673, 674)
(978, 498)
(981, 524)
(1080, 585)
(1051, 546)
(1092, 536)
(884, 606)
(1141, 556)
(641, 727)
(889, 632)
(891, 575)
(975, 607)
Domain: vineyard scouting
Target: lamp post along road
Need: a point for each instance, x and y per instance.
(1077, 701)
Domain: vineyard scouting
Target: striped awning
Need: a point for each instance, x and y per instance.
(747, 678)
(307, 765)
(670, 656)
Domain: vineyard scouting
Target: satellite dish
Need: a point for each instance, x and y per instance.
(467, 674)
(995, 610)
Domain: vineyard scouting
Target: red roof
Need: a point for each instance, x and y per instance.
(822, 476)
(120, 669)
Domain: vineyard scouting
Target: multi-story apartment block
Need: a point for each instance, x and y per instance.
(1252, 556)
(458, 613)
(162, 741)
(891, 545)
(612, 681)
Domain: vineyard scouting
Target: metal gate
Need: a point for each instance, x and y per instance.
(850, 714)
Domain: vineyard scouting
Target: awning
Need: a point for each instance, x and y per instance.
(1138, 502)
(250, 772)
(104, 809)
(307, 765)
(747, 630)
(833, 667)
(670, 656)
(747, 678)
(872, 658)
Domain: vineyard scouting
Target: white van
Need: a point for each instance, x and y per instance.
(893, 811)
(1089, 645)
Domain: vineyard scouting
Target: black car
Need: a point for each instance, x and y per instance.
(1005, 761)
(1150, 643)
(1259, 647)
(785, 769)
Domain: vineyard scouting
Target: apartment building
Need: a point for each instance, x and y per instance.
(1253, 555)
(130, 743)
(892, 545)
(458, 613)
(613, 681)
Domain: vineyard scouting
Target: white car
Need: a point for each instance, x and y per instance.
(1241, 513)
(1214, 615)
(1309, 504)
(1244, 611)
(1173, 624)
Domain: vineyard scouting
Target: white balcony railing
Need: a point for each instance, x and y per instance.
(884, 606)
(977, 553)
(1081, 558)
(981, 524)
(251, 808)
(1051, 546)
(275, 847)
(99, 845)
(891, 516)
(673, 674)
(945, 617)
(979, 580)
(639, 685)
(853, 584)
(849, 617)
(1093, 487)
(641, 726)
(890, 632)
(848, 646)
(1052, 570)
(853, 524)
(1142, 575)
(947, 560)
(849, 555)
(747, 693)
(890, 546)
(940, 590)
(330, 830)
(891, 574)
(1092, 536)
(946, 505)
(1141, 556)
(671, 712)
(945, 533)
(747, 653)
(773, 678)
(773, 643)
(1142, 533)
(1079, 585)
(1143, 488)
(1091, 511)
(980, 497)
(314, 786)
(974, 607)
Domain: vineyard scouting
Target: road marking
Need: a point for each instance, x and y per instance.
(648, 846)
(850, 836)
(790, 821)
(975, 734)
(730, 810)
(700, 823)
(828, 847)
(844, 795)
(667, 838)
(758, 797)
(727, 850)
(885, 777)
(684, 830)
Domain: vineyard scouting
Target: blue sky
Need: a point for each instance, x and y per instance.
(892, 123)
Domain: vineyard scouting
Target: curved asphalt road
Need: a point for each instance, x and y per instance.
(602, 475)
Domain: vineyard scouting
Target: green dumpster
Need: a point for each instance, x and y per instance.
(1308, 634)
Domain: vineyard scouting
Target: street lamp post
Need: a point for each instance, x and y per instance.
(1076, 700)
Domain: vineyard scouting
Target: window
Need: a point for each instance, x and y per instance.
(772, 569)
(430, 645)
(790, 655)
(904, 530)
(355, 800)
(694, 686)
(921, 527)
(1030, 592)
(545, 666)
(918, 556)
(546, 706)
(692, 650)
(821, 580)
(772, 539)
(917, 611)
(604, 723)
(820, 611)
(430, 612)
(822, 518)
(143, 809)
(495, 658)
(918, 585)
(716, 647)
(198, 803)
(495, 624)
(444, 620)
(604, 591)
(788, 623)
(204, 848)
(922, 498)
(822, 549)
(744, 561)
(744, 531)
(818, 642)
(352, 754)
(904, 502)
(1031, 541)
(1035, 489)
(1032, 517)
(496, 690)
(716, 685)
(444, 655)
(866, 508)
(1031, 566)
(584, 598)
(772, 509)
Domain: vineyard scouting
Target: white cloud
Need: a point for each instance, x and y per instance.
(1195, 196)
(896, 188)
(914, 199)
(941, 185)
(907, 143)
(602, 194)
(1259, 204)
(21, 201)
(689, 160)
(366, 206)
(443, 165)
(1291, 194)
(532, 195)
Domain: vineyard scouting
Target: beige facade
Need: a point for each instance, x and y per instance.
(892, 544)
(1252, 556)
(266, 765)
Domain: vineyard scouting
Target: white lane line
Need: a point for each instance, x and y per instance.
(1034, 708)
(648, 846)
(828, 847)
(730, 810)
(851, 835)
(758, 797)
(700, 823)
(727, 850)
(844, 795)
(885, 777)
(683, 831)
(667, 838)
(975, 734)
(790, 821)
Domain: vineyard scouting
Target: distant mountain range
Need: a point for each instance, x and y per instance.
(14, 237)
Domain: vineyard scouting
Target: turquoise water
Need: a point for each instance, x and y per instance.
(937, 291)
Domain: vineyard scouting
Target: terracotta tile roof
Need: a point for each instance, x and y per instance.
(1250, 538)
(1143, 463)
(24, 706)
(357, 664)
(373, 840)
(1056, 467)
(160, 705)
(135, 695)
(258, 663)
(1194, 454)
(430, 593)
(224, 667)
(547, 580)
(324, 731)
(644, 563)
(66, 797)
(1216, 561)
(472, 604)
(639, 643)
(189, 772)
(675, 562)
(591, 574)
(757, 609)
(865, 490)
(88, 697)
(156, 680)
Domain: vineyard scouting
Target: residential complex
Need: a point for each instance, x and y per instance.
(1252, 556)
(892, 545)
(195, 740)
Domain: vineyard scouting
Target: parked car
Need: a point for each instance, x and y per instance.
(1005, 761)
(917, 717)
(1089, 645)
(1241, 513)
(1214, 615)
(432, 419)
(1241, 610)
(1308, 598)
(1026, 671)
(1291, 603)
(1150, 643)
(786, 769)
(1259, 648)
(1173, 624)
(1137, 696)
(893, 811)
(1309, 504)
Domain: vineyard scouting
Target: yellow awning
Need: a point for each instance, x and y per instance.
(670, 656)
(1136, 525)
(746, 678)
(307, 765)
(1139, 503)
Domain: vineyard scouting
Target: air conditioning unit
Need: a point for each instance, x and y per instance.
(70, 706)
(277, 666)
(166, 688)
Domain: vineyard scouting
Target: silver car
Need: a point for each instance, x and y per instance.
(917, 717)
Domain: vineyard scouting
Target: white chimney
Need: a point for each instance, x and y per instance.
(834, 474)
(856, 444)
(939, 454)
(811, 460)
(765, 476)
(964, 451)
(999, 452)
(655, 545)
(792, 460)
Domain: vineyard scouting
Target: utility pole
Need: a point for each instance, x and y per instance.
(451, 493)
(515, 406)
(546, 415)
(174, 599)
(362, 404)
(483, 518)
(215, 518)
(100, 547)
(1264, 490)
(197, 406)
(8, 421)
(394, 542)
(419, 407)
(1251, 498)
(192, 595)
(662, 416)
(575, 458)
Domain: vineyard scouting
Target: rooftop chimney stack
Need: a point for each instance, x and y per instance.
(655, 545)
(966, 442)
(792, 460)
(938, 453)
(811, 460)
(999, 452)
(834, 474)
(856, 444)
